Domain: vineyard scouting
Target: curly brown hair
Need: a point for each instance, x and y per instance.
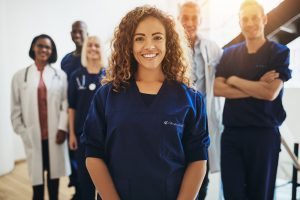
(122, 64)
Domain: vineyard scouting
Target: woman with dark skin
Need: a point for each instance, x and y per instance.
(39, 116)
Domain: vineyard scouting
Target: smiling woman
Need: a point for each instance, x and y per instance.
(149, 44)
(132, 153)
(38, 115)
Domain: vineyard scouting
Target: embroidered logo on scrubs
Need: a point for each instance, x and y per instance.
(172, 123)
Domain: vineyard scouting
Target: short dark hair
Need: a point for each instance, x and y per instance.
(53, 56)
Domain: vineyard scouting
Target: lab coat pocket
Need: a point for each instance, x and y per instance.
(27, 139)
(123, 188)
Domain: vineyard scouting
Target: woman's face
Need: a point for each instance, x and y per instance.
(149, 43)
(93, 49)
(42, 50)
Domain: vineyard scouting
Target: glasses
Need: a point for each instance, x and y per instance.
(41, 46)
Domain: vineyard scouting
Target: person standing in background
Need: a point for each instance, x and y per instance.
(251, 76)
(205, 57)
(70, 63)
(82, 86)
(39, 115)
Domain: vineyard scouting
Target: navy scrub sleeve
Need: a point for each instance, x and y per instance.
(196, 131)
(95, 142)
(281, 60)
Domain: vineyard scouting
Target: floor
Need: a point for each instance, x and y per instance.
(16, 185)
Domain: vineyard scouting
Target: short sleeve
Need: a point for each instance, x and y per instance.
(196, 138)
(94, 130)
(221, 70)
(281, 61)
(72, 92)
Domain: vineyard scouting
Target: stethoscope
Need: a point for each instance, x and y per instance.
(27, 68)
(92, 86)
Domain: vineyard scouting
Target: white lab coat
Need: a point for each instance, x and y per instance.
(212, 53)
(25, 119)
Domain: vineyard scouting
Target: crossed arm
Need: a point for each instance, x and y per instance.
(267, 88)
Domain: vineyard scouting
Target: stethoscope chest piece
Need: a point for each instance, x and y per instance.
(92, 86)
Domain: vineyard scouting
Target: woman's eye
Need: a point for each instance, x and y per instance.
(158, 37)
(138, 39)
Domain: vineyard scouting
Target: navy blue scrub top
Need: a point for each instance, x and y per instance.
(147, 147)
(81, 89)
(70, 64)
(252, 112)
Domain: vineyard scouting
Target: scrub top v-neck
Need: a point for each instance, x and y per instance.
(149, 100)
(147, 148)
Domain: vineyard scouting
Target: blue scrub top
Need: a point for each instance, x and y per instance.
(252, 112)
(70, 64)
(147, 147)
(81, 89)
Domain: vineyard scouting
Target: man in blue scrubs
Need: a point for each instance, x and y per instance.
(205, 56)
(251, 75)
(70, 63)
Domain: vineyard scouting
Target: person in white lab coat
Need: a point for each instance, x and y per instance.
(39, 116)
(205, 57)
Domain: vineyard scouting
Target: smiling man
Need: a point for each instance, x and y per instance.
(251, 75)
(72, 60)
(70, 63)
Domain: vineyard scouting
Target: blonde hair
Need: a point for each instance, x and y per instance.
(122, 64)
(189, 4)
(84, 60)
(247, 3)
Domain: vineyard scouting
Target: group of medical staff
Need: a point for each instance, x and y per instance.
(145, 126)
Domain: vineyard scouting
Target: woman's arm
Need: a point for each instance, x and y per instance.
(101, 178)
(192, 180)
(72, 139)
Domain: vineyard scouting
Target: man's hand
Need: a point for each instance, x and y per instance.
(231, 80)
(61, 136)
(269, 77)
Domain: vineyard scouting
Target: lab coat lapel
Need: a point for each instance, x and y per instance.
(47, 76)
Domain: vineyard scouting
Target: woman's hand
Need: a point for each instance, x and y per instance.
(73, 142)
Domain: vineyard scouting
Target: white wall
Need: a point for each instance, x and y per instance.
(21, 20)
(6, 140)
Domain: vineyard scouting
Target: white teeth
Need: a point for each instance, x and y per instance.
(149, 55)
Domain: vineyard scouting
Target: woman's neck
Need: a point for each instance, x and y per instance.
(149, 75)
(94, 66)
(40, 65)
